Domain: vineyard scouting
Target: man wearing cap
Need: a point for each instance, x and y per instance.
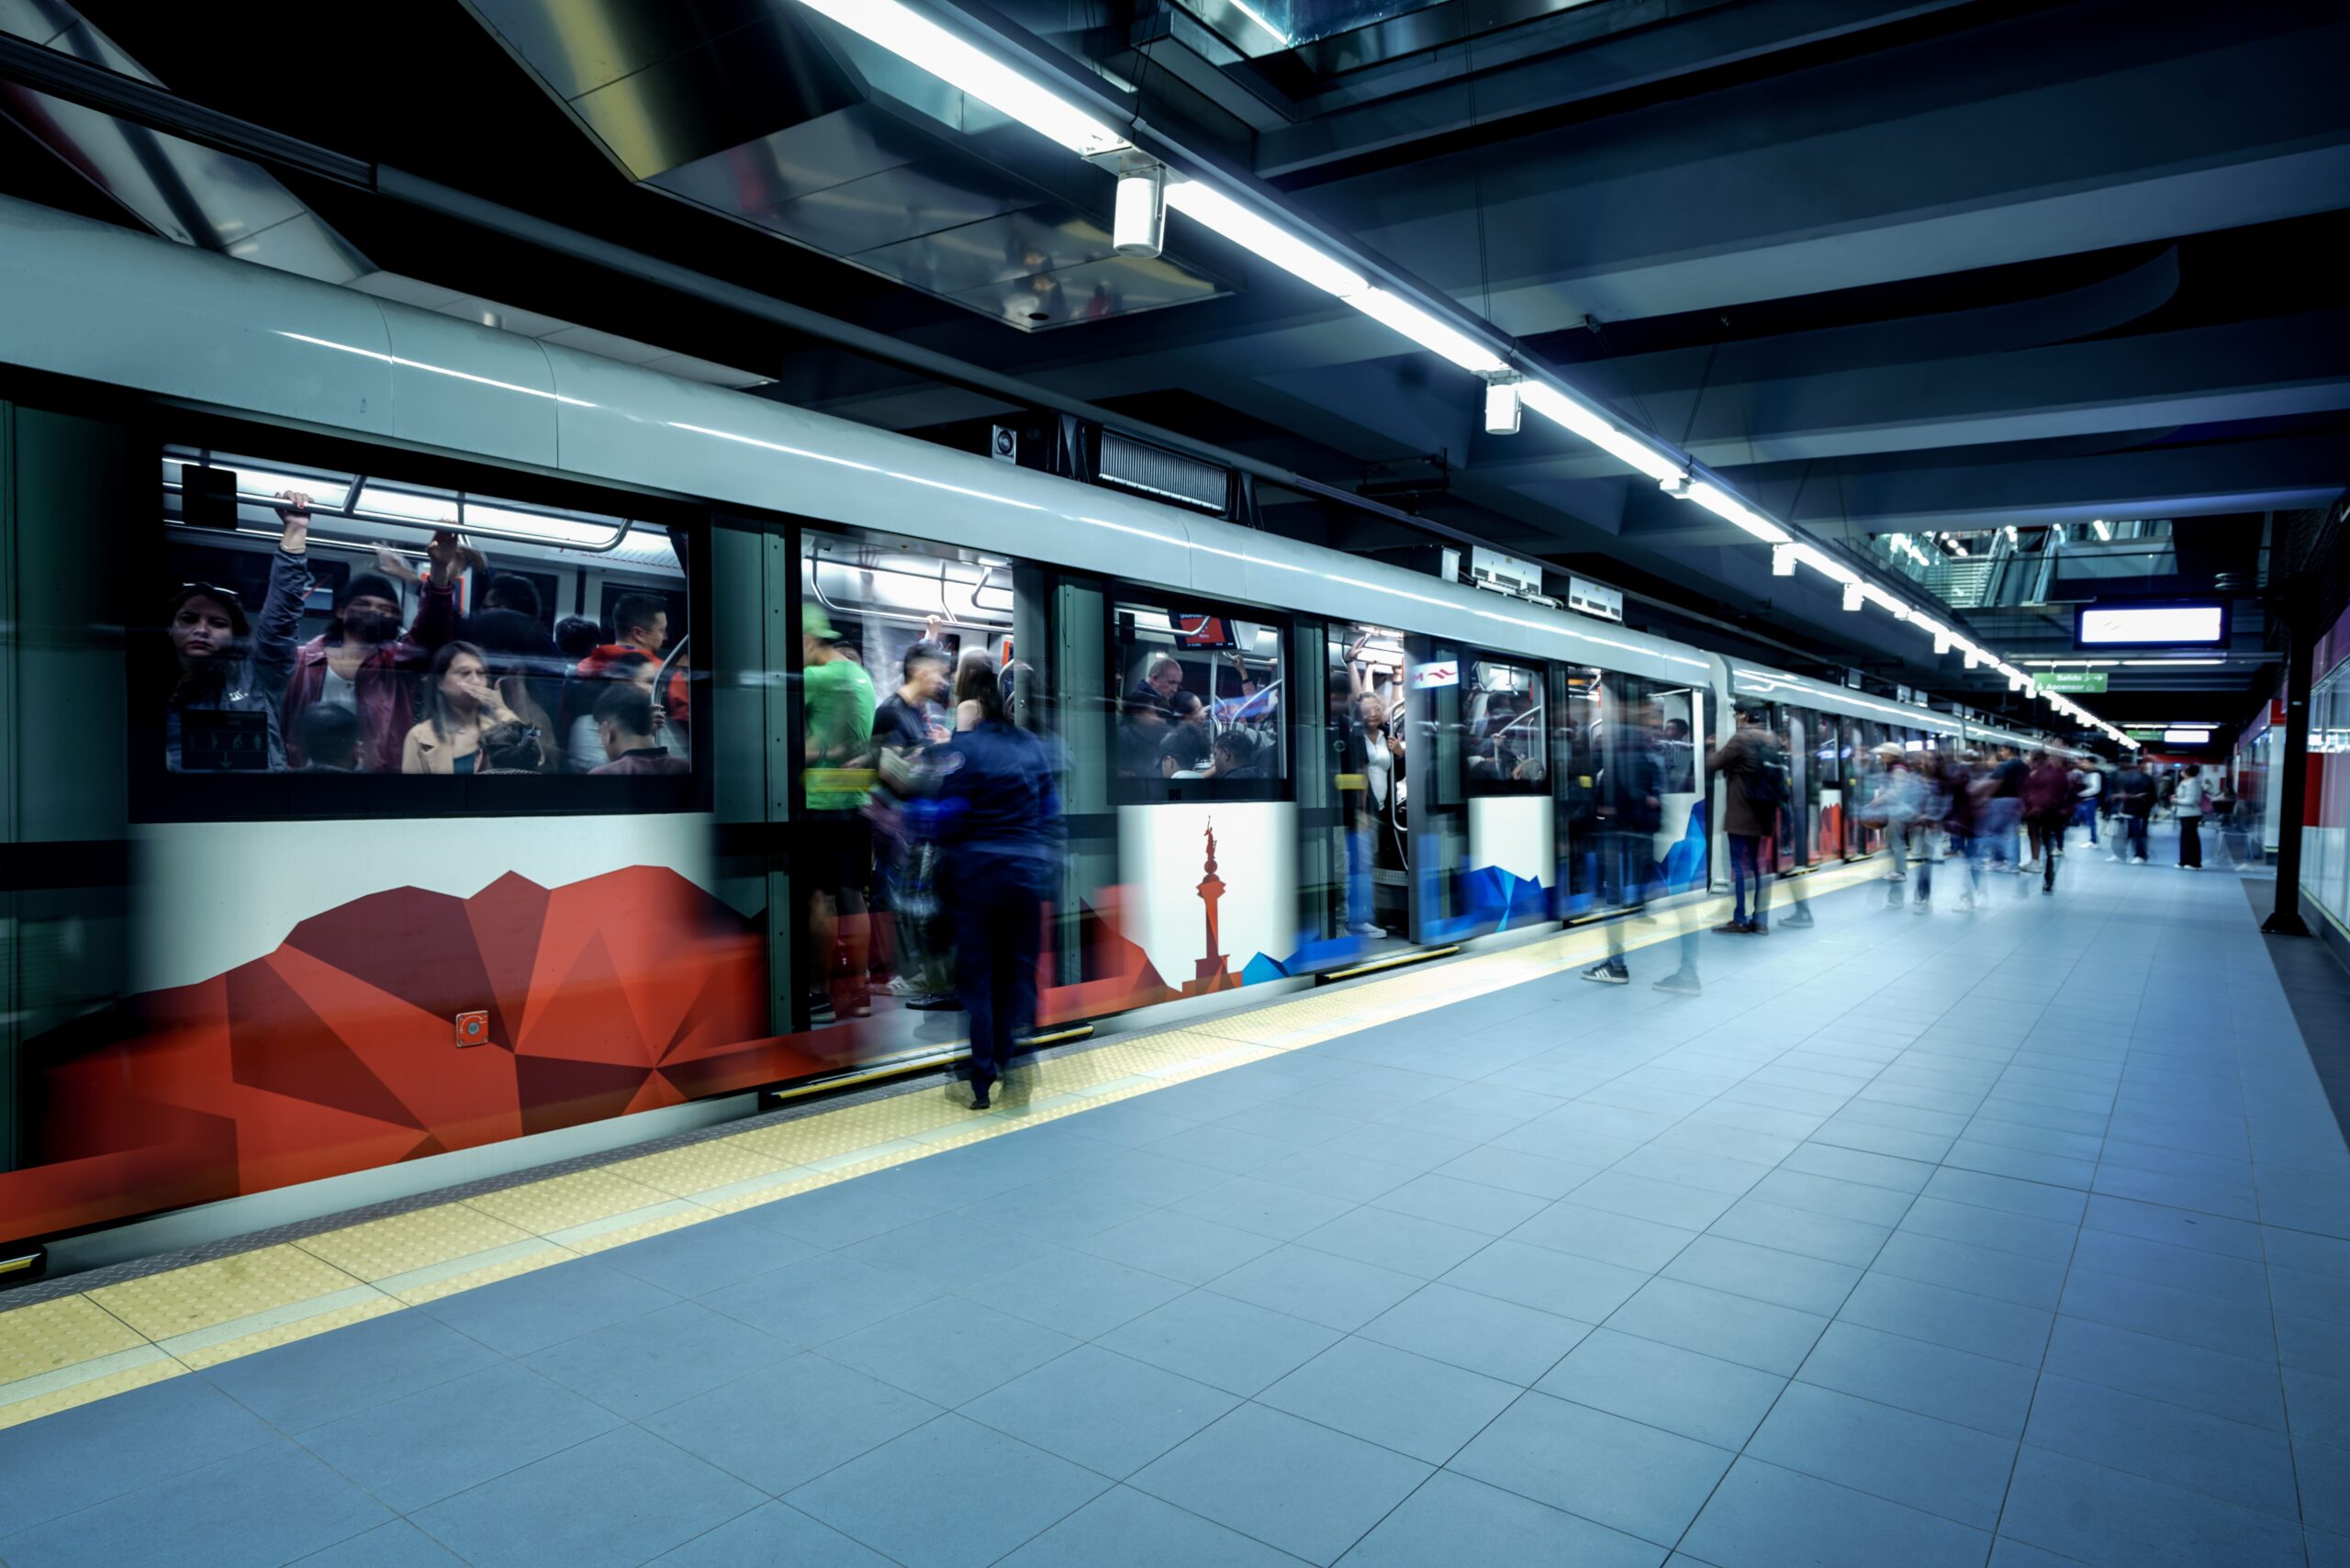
(837, 700)
(364, 662)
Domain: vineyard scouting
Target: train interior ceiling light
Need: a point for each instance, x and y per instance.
(2198, 625)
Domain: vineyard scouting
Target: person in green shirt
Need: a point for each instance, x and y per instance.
(837, 700)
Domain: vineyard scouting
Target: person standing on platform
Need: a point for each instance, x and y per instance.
(1754, 777)
(2089, 798)
(2133, 802)
(997, 817)
(2048, 796)
(2188, 801)
(1631, 809)
(837, 705)
(2003, 809)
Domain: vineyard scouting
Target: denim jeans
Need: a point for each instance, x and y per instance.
(2134, 828)
(1359, 841)
(1745, 866)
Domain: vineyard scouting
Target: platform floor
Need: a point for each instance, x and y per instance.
(2017, 1236)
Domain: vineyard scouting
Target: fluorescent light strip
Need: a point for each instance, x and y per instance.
(1254, 232)
(920, 41)
(1622, 445)
(1396, 312)
(1722, 503)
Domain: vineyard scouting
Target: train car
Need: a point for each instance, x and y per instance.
(517, 795)
(1838, 741)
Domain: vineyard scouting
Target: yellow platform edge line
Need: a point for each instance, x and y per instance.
(439, 1250)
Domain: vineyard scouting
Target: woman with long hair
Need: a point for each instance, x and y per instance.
(459, 704)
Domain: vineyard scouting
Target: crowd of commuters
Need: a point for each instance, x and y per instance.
(382, 691)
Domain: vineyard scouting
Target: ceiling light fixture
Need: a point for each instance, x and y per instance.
(1622, 445)
(1138, 221)
(1783, 560)
(1504, 412)
(1852, 595)
(1723, 504)
(920, 41)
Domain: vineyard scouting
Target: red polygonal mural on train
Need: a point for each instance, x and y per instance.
(338, 1050)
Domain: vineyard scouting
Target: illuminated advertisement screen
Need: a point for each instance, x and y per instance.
(2150, 625)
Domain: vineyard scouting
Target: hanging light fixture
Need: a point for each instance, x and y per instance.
(1138, 222)
(1504, 410)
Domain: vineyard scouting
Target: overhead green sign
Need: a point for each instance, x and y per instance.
(2088, 680)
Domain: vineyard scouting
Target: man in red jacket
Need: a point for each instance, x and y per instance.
(365, 662)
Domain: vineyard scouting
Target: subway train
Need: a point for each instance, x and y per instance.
(505, 818)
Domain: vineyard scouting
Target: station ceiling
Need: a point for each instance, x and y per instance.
(1909, 266)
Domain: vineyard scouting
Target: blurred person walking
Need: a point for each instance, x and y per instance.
(1631, 809)
(2133, 802)
(2048, 795)
(2188, 801)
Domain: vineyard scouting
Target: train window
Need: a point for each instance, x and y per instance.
(382, 628)
(1199, 710)
(1501, 713)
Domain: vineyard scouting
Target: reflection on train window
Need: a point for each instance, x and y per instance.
(1200, 702)
(369, 626)
(1502, 712)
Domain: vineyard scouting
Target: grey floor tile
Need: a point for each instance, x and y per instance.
(548, 1306)
(1339, 1172)
(783, 1426)
(270, 1504)
(2318, 1406)
(1560, 1283)
(1455, 1519)
(2051, 1241)
(1943, 1317)
(1515, 1171)
(1424, 1408)
(1851, 1242)
(1627, 1476)
(1105, 1411)
(1302, 1488)
(2186, 1315)
(1766, 1273)
(704, 1257)
(1404, 1243)
(778, 1533)
(1217, 1340)
(1265, 1208)
(1833, 1196)
(2314, 1345)
(102, 1449)
(2250, 1466)
(950, 1494)
(1644, 1197)
(839, 1216)
(949, 1250)
(2112, 1520)
(1075, 1292)
(1485, 1334)
(2240, 1279)
(651, 1362)
(1062, 1211)
(396, 1545)
(2154, 1368)
(1137, 1531)
(809, 1303)
(1221, 1148)
(1956, 1472)
(1894, 1174)
(330, 1375)
(613, 1500)
(2325, 1474)
(1471, 1205)
(949, 1350)
(1321, 1287)
(1987, 1394)
(2306, 1295)
(1621, 1240)
(1693, 1396)
(416, 1451)
(1736, 1328)
(1180, 1247)
(1413, 1150)
(2038, 1201)
(1764, 1516)
(1982, 1270)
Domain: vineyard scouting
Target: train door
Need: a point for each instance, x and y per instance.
(1512, 875)
(1431, 796)
(1629, 799)
(1365, 743)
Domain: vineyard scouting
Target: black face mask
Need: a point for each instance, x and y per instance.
(370, 625)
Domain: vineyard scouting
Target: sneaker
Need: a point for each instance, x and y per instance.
(1892, 877)
(903, 986)
(1967, 900)
(819, 1012)
(936, 1002)
(1735, 928)
(1920, 906)
(1678, 984)
(1609, 974)
(2137, 860)
(1367, 930)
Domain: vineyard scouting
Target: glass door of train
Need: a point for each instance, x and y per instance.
(1628, 796)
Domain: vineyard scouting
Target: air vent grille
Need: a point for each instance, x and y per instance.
(1154, 471)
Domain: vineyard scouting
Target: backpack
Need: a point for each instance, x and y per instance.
(1764, 780)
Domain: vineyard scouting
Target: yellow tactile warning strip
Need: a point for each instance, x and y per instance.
(70, 1350)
